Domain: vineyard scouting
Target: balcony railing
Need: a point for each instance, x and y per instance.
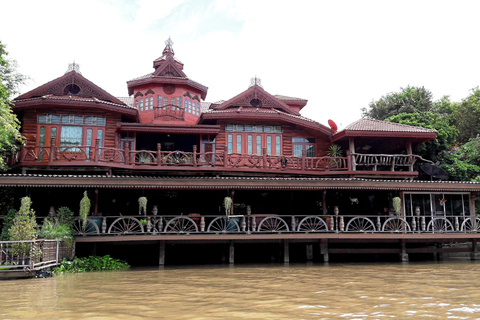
(170, 112)
(376, 164)
(271, 223)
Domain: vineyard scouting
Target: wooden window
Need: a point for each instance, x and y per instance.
(159, 100)
(259, 145)
(141, 104)
(239, 143)
(230, 143)
(303, 144)
(249, 144)
(151, 103)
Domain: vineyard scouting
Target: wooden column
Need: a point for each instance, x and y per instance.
(409, 152)
(231, 258)
(161, 260)
(95, 210)
(286, 251)
(351, 148)
(324, 249)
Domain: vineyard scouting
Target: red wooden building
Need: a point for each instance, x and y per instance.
(185, 155)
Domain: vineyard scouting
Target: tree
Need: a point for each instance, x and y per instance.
(10, 79)
(462, 162)
(466, 116)
(408, 100)
(446, 136)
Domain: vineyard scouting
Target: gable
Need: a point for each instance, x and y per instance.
(169, 69)
(257, 97)
(74, 84)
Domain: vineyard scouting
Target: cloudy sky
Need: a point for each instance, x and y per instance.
(339, 55)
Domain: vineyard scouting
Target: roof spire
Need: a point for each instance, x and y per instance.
(73, 67)
(256, 82)
(168, 51)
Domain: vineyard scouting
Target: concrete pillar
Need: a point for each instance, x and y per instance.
(286, 251)
(324, 249)
(404, 255)
(161, 260)
(231, 258)
(309, 248)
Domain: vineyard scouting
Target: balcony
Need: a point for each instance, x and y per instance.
(170, 112)
(353, 164)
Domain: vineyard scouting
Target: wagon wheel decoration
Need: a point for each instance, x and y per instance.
(181, 225)
(440, 225)
(90, 228)
(223, 225)
(396, 225)
(471, 225)
(126, 226)
(360, 224)
(272, 224)
(312, 224)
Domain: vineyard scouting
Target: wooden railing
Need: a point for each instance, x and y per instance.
(33, 254)
(268, 223)
(96, 155)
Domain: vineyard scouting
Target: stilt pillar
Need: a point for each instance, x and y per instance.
(161, 260)
(474, 254)
(231, 257)
(309, 248)
(324, 249)
(404, 254)
(286, 251)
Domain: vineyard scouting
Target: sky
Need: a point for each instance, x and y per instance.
(338, 55)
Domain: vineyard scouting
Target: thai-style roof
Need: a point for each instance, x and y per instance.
(256, 96)
(168, 70)
(370, 127)
(71, 84)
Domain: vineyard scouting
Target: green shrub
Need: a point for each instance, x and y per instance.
(78, 265)
(56, 231)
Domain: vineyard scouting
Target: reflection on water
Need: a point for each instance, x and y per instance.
(346, 291)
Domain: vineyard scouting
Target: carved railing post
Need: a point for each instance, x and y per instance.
(225, 156)
(104, 225)
(159, 154)
(194, 156)
(304, 159)
(264, 157)
(96, 150)
(126, 152)
(51, 157)
(349, 160)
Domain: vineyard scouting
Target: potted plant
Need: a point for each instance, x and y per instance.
(142, 205)
(397, 205)
(84, 209)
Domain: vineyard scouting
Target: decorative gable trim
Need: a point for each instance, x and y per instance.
(169, 69)
(255, 96)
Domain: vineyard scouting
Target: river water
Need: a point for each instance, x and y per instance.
(434, 290)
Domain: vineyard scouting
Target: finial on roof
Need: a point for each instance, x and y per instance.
(168, 51)
(73, 67)
(256, 82)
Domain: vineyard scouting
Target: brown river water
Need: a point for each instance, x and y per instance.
(433, 290)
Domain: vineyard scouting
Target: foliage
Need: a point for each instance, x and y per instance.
(466, 116)
(143, 222)
(227, 202)
(408, 100)
(10, 79)
(78, 265)
(24, 226)
(335, 151)
(462, 162)
(84, 209)
(397, 205)
(56, 231)
(142, 205)
(7, 223)
(446, 136)
(63, 216)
